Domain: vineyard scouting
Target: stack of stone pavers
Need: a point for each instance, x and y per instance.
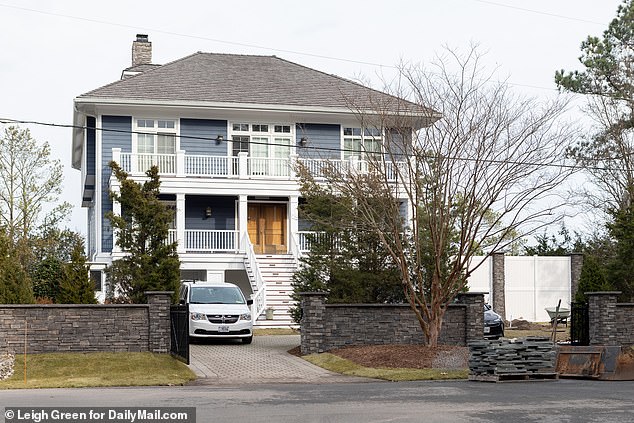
(530, 358)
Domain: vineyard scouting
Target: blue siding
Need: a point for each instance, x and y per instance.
(122, 138)
(223, 214)
(90, 146)
(319, 135)
(198, 136)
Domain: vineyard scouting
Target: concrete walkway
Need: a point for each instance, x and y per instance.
(266, 360)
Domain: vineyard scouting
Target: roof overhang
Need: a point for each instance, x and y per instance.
(79, 125)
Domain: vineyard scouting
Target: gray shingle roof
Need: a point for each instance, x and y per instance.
(141, 68)
(229, 78)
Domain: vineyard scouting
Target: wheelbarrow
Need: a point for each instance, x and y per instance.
(561, 316)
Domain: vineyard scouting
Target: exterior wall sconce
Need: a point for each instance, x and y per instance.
(303, 141)
(207, 212)
(219, 139)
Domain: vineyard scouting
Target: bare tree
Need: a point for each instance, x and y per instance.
(607, 155)
(29, 182)
(441, 191)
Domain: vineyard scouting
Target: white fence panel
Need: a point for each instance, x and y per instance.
(480, 279)
(531, 284)
(519, 288)
(552, 283)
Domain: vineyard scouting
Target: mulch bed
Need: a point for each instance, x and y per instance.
(404, 356)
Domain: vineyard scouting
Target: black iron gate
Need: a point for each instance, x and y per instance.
(579, 324)
(179, 332)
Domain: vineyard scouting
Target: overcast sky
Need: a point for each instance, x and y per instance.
(53, 51)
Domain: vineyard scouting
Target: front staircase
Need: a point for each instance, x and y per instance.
(277, 272)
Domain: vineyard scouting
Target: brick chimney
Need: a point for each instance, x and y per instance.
(141, 50)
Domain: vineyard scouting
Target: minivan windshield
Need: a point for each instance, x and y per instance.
(215, 295)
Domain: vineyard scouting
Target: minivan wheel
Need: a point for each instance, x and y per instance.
(247, 340)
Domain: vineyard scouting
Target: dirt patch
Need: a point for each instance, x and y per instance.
(406, 356)
(524, 325)
(626, 356)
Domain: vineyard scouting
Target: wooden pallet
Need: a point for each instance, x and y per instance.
(514, 377)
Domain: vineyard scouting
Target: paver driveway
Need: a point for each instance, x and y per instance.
(266, 360)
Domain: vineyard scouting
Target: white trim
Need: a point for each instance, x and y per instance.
(232, 106)
(363, 138)
(155, 131)
(98, 187)
(270, 135)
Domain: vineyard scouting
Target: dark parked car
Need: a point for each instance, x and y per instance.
(493, 323)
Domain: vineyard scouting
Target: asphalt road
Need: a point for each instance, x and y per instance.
(456, 401)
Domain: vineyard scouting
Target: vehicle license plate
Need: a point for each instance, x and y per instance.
(223, 328)
(487, 329)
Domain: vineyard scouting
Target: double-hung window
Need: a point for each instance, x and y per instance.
(362, 143)
(155, 145)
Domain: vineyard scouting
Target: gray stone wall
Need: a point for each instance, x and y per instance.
(474, 315)
(602, 317)
(87, 328)
(576, 263)
(625, 324)
(328, 326)
(159, 321)
(498, 298)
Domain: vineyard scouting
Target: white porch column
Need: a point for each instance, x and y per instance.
(180, 163)
(116, 210)
(293, 158)
(242, 218)
(215, 276)
(116, 156)
(242, 165)
(180, 223)
(293, 222)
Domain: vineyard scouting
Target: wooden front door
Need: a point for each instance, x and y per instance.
(266, 224)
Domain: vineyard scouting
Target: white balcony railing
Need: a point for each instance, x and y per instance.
(210, 165)
(255, 277)
(141, 162)
(181, 164)
(306, 238)
(269, 167)
(211, 240)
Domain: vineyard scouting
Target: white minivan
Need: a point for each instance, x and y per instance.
(217, 310)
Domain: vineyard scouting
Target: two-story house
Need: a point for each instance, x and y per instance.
(226, 132)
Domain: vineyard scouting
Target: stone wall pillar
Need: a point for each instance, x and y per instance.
(602, 317)
(474, 317)
(497, 297)
(159, 321)
(312, 324)
(576, 263)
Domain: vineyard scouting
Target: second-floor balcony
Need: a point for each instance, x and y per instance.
(245, 167)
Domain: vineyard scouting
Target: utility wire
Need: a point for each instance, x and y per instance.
(539, 12)
(328, 149)
(260, 47)
(197, 37)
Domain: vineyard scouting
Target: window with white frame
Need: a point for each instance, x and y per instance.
(265, 143)
(155, 144)
(361, 143)
(262, 140)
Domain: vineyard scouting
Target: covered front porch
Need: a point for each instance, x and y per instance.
(207, 224)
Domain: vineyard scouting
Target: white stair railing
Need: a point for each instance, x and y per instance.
(255, 277)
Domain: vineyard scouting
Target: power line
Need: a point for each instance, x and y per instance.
(197, 37)
(539, 12)
(274, 49)
(314, 148)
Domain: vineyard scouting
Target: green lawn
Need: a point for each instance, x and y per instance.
(74, 370)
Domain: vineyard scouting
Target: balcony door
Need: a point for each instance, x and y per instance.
(266, 224)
